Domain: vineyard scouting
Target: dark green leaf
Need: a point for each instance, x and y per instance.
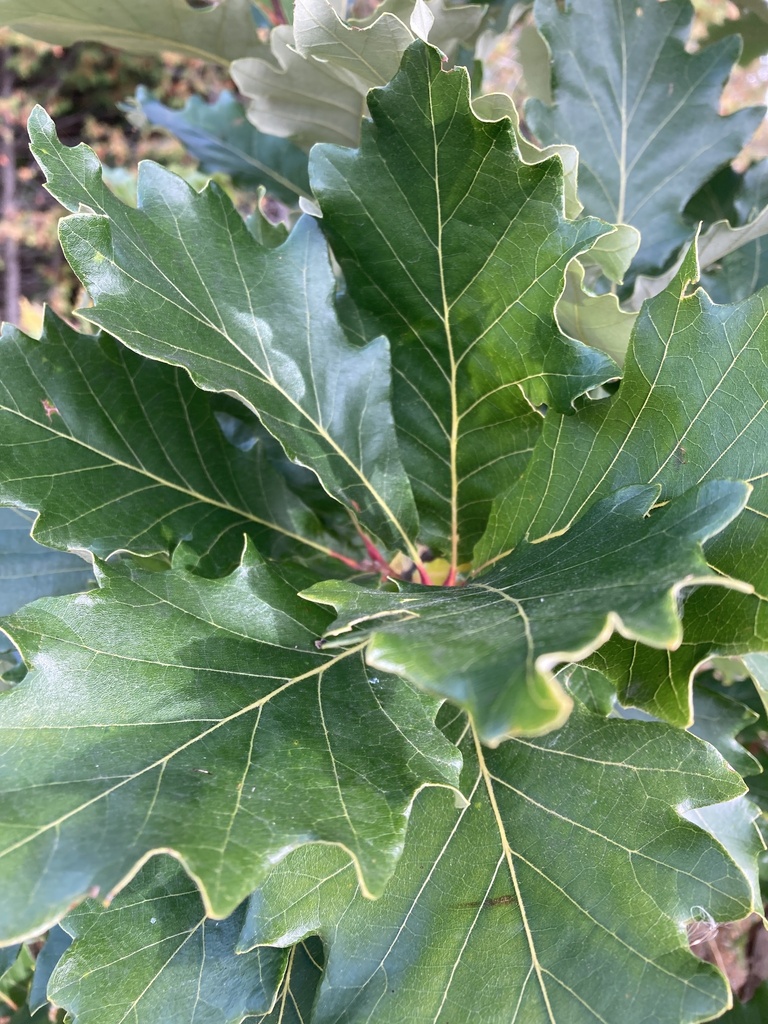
(152, 955)
(492, 644)
(696, 384)
(170, 712)
(466, 298)
(642, 112)
(753, 31)
(182, 279)
(118, 452)
(220, 136)
(718, 720)
(557, 895)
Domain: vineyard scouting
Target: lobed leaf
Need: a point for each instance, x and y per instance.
(467, 300)
(492, 644)
(182, 280)
(691, 408)
(153, 953)
(642, 112)
(120, 453)
(223, 140)
(167, 690)
(557, 895)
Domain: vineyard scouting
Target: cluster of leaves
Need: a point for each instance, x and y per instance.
(380, 705)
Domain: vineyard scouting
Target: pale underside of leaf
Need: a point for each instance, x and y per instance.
(140, 26)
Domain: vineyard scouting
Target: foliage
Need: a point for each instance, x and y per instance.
(395, 689)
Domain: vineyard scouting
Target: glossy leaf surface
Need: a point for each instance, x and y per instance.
(167, 690)
(491, 644)
(475, 345)
(538, 901)
(198, 291)
(153, 948)
(695, 382)
(121, 453)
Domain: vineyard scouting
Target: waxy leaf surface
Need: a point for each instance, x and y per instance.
(457, 249)
(181, 279)
(152, 955)
(642, 112)
(492, 644)
(168, 712)
(118, 452)
(691, 408)
(557, 895)
(221, 34)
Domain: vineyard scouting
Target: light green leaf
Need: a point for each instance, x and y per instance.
(365, 57)
(220, 34)
(695, 383)
(28, 570)
(642, 112)
(492, 644)
(548, 902)
(757, 666)
(469, 312)
(166, 690)
(120, 453)
(153, 955)
(295, 98)
(219, 135)
(182, 279)
(314, 87)
(596, 320)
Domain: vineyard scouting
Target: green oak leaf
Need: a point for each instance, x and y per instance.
(164, 690)
(220, 136)
(539, 901)
(692, 406)
(121, 453)
(314, 88)
(221, 34)
(469, 311)
(28, 570)
(642, 112)
(491, 645)
(153, 955)
(181, 279)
